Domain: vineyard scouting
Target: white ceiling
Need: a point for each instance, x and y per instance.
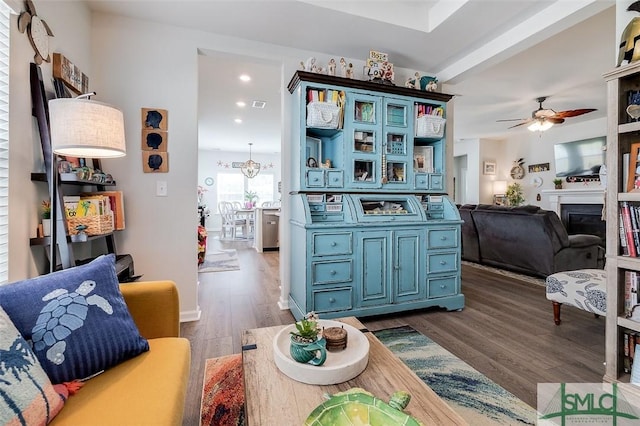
(496, 56)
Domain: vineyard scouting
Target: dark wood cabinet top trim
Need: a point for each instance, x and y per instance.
(300, 76)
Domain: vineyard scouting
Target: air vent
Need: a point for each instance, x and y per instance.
(259, 104)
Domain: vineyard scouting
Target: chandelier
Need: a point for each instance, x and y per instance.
(250, 168)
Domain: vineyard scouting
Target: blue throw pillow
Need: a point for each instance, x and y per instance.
(76, 319)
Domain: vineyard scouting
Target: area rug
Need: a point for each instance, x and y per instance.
(224, 260)
(521, 277)
(471, 394)
(223, 392)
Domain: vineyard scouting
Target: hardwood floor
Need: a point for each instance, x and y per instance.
(505, 331)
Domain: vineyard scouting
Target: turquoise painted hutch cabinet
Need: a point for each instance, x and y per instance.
(372, 228)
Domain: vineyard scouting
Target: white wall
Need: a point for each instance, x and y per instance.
(25, 196)
(537, 148)
(208, 166)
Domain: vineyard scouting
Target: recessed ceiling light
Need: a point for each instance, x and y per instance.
(241, 104)
(238, 120)
(245, 77)
(258, 104)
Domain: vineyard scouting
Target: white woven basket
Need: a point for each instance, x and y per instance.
(324, 115)
(430, 126)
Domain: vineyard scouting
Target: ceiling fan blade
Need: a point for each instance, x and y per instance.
(512, 119)
(573, 112)
(555, 120)
(521, 124)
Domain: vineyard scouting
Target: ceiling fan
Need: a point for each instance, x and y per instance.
(543, 118)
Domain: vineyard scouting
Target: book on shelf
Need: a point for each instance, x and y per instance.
(630, 292)
(626, 361)
(115, 202)
(623, 237)
(625, 210)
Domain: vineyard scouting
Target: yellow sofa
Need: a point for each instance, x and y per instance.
(149, 389)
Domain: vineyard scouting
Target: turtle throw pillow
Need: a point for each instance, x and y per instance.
(28, 397)
(75, 319)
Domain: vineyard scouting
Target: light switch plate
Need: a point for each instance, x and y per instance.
(161, 188)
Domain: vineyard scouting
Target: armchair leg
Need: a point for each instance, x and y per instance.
(556, 312)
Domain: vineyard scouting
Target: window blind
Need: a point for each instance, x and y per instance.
(5, 16)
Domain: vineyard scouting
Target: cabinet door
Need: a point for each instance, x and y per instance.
(364, 136)
(407, 276)
(373, 276)
(397, 152)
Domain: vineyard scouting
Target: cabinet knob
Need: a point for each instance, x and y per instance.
(316, 179)
(443, 286)
(396, 267)
(333, 244)
(443, 238)
(443, 262)
(332, 300)
(392, 218)
(332, 272)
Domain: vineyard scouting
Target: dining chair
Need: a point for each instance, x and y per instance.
(230, 222)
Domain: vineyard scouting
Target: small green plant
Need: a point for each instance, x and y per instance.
(514, 194)
(250, 195)
(46, 209)
(307, 328)
(557, 182)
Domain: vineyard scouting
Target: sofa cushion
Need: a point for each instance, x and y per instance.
(76, 319)
(146, 390)
(28, 397)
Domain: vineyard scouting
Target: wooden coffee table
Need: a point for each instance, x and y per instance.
(272, 398)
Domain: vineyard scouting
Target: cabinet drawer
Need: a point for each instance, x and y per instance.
(422, 181)
(337, 271)
(436, 181)
(441, 287)
(332, 300)
(442, 238)
(315, 178)
(327, 217)
(442, 262)
(335, 178)
(327, 244)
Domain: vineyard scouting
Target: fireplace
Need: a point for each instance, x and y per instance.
(580, 209)
(583, 219)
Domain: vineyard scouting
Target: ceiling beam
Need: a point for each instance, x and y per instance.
(550, 21)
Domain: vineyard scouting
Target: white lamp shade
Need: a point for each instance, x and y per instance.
(499, 186)
(86, 129)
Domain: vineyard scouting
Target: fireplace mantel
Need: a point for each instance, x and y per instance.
(558, 197)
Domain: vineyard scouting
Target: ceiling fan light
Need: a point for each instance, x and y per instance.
(534, 127)
(540, 125)
(546, 125)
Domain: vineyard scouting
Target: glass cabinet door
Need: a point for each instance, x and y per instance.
(398, 144)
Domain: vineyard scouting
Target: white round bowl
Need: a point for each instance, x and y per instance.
(339, 367)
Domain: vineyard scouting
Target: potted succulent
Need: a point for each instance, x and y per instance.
(514, 194)
(46, 218)
(305, 346)
(558, 183)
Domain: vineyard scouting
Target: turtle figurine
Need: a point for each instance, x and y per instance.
(64, 313)
(356, 406)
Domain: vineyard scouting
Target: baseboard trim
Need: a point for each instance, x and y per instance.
(188, 316)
